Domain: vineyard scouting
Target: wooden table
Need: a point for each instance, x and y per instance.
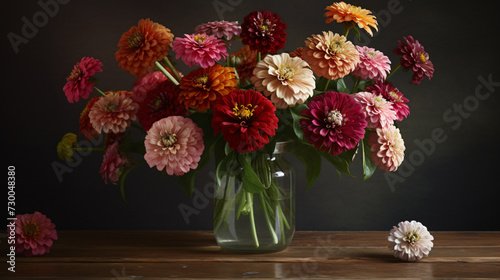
(312, 255)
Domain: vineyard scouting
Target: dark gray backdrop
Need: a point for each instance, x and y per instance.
(450, 185)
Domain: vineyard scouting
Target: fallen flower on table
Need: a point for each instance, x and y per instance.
(410, 240)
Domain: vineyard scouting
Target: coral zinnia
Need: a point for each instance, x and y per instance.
(174, 143)
(204, 85)
(345, 13)
(330, 55)
(142, 45)
(410, 241)
(373, 64)
(199, 49)
(263, 31)
(161, 101)
(334, 122)
(113, 113)
(392, 94)
(288, 80)
(378, 111)
(414, 58)
(80, 80)
(86, 127)
(246, 120)
(35, 234)
(248, 61)
(113, 163)
(220, 29)
(387, 148)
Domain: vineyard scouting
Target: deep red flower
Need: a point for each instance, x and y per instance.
(160, 102)
(334, 122)
(263, 31)
(414, 58)
(80, 81)
(392, 94)
(86, 127)
(246, 120)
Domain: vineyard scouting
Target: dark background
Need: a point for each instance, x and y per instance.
(452, 187)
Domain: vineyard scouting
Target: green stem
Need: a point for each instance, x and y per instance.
(171, 67)
(393, 71)
(252, 220)
(355, 86)
(346, 32)
(327, 83)
(237, 76)
(266, 215)
(99, 91)
(258, 57)
(165, 72)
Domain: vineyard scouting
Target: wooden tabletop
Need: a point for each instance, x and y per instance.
(312, 255)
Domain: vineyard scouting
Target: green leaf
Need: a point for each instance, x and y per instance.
(355, 29)
(251, 182)
(225, 166)
(123, 177)
(340, 163)
(369, 166)
(295, 112)
(341, 86)
(311, 159)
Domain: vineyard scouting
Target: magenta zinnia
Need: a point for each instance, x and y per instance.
(246, 119)
(175, 144)
(113, 113)
(373, 64)
(392, 94)
(35, 234)
(113, 163)
(80, 80)
(414, 58)
(378, 111)
(387, 147)
(220, 29)
(263, 31)
(199, 49)
(334, 122)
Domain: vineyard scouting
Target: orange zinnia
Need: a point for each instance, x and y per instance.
(204, 85)
(342, 12)
(142, 45)
(248, 59)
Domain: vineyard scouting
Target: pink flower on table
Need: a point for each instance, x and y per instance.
(220, 29)
(373, 64)
(175, 144)
(80, 81)
(113, 163)
(392, 94)
(199, 49)
(35, 234)
(378, 111)
(114, 112)
(387, 147)
(410, 241)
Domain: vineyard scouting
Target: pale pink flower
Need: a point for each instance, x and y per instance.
(373, 64)
(199, 49)
(174, 143)
(113, 113)
(35, 234)
(288, 80)
(220, 29)
(411, 241)
(377, 109)
(113, 163)
(387, 147)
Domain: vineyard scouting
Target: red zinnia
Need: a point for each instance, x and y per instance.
(160, 102)
(415, 58)
(86, 127)
(263, 31)
(246, 120)
(334, 122)
(80, 80)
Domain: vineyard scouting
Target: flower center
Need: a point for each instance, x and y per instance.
(201, 82)
(31, 229)
(395, 96)
(334, 118)
(75, 74)
(169, 140)
(135, 40)
(157, 104)
(243, 112)
(379, 101)
(285, 73)
(265, 26)
(422, 57)
(199, 38)
(111, 107)
(411, 237)
(336, 47)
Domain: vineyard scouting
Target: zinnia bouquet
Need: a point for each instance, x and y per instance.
(238, 106)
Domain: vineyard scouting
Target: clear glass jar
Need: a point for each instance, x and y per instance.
(257, 222)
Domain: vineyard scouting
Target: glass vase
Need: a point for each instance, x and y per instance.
(257, 222)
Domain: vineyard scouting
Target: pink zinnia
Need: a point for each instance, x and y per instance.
(146, 83)
(80, 80)
(378, 111)
(392, 94)
(415, 58)
(387, 147)
(35, 234)
(373, 64)
(334, 122)
(113, 163)
(199, 49)
(174, 143)
(220, 29)
(113, 113)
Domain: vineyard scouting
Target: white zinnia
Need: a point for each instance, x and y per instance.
(288, 80)
(411, 241)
